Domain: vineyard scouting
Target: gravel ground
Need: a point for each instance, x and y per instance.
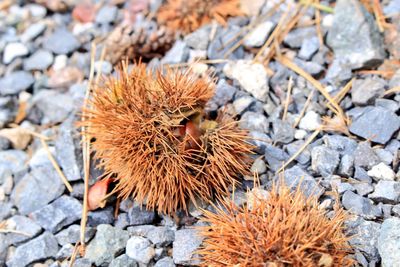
(45, 61)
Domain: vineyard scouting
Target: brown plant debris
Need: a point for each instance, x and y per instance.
(282, 229)
(152, 136)
(145, 41)
(187, 16)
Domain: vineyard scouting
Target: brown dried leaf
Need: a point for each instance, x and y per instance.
(97, 194)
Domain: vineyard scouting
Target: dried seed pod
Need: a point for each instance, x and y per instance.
(279, 228)
(149, 134)
(187, 16)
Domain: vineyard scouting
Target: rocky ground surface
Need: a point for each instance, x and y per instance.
(45, 61)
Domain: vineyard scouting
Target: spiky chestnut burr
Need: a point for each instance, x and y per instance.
(283, 229)
(151, 136)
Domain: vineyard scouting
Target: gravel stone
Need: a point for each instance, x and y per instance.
(309, 47)
(165, 262)
(382, 172)
(254, 122)
(198, 39)
(72, 234)
(324, 160)
(5, 210)
(102, 216)
(36, 189)
(12, 162)
(366, 237)
(33, 31)
(106, 14)
(224, 39)
(258, 166)
(311, 121)
(364, 92)
(259, 34)
(40, 60)
(364, 156)
(389, 242)
(53, 106)
(223, 93)
(376, 124)
(60, 213)
(65, 252)
(140, 249)
(61, 41)
(252, 77)
(384, 155)
(242, 103)
(338, 72)
(283, 132)
(296, 175)
(304, 156)
(363, 188)
(123, 261)
(296, 37)
(22, 224)
(40, 248)
(360, 205)
(15, 82)
(275, 157)
(386, 192)
(178, 53)
(108, 242)
(138, 216)
(13, 51)
(362, 175)
(161, 236)
(187, 241)
(346, 167)
(354, 36)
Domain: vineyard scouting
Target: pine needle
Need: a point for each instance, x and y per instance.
(303, 111)
(5, 230)
(287, 101)
(393, 90)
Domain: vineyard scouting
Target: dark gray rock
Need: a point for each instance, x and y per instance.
(310, 67)
(361, 175)
(296, 177)
(338, 72)
(68, 151)
(140, 249)
(346, 166)
(106, 14)
(254, 122)
(354, 36)
(309, 47)
(363, 188)
(187, 241)
(365, 91)
(222, 42)
(392, 105)
(165, 262)
(82, 262)
(65, 252)
(123, 261)
(386, 192)
(25, 225)
(53, 107)
(161, 236)
(40, 248)
(223, 93)
(15, 82)
(40, 60)
(294, 147)
(122, 221)
(364, 156)
(8, 110)
(71, 235)
(384, 155)
(360, 205)
(199, 39)
(275, 157)
(365, 237)
(108, 242)
(297, 37)
(102, 216)
(376, 124)
(62, 212)
(324, 160)
(177, 54)
(283, 132)
(36, 189)
(4, 143)
(389, 242)
(139, 215)
(61, 41)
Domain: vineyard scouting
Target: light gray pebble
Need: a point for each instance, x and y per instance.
(33, 31)
(123, 261)
(177, 54)
(346, 167)
(294, 147)
(363, 188)
(283, 132)
(296, 176)
(15, 82)
(13, 51)
(198, 39)
(309, 47)
(324, 160)
(360, 205)
(254, 122)
(140, 249)
(165, 262)
(187, 241)
(365, 237)
(25, 225)
(389, 242)
(106, 14)
(364, 156)
(61, 41)
(242, 103)
(65, 252)
(386, 192)
(40, 60)
(275, 156)
(365, 91)
(72, 234)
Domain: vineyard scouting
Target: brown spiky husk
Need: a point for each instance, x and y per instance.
(285, 229)
(145, 41)
(187, 16)
(137, 121)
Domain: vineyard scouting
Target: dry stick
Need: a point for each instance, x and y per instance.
(249, 27)
(289, 92)
(309, 140)
(303, 111)
(86, 153)
(55, 165)
(334, 106)
(318, 25)
(187, 64)
(393, 90)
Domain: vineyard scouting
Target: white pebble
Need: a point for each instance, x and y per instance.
(382, 172)
(311, 121)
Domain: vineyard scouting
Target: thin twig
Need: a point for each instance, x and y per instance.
(393, 90)
(303, 111)
(288, 93)
(55, 165)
